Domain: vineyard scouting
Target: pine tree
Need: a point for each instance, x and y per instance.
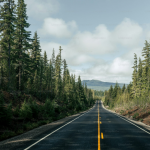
(123, 88)
(53, 72)
(145, 69)
(139, 78)
(58, 71)
(134, 76)
(114, 95)
(36, 82)
(36, 52)
(111, 91)
(46, 75)
(41, 76)
(7, 15)
(64, 75)
(50, 76)
(22, 39)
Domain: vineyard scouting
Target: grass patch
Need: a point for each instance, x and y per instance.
(121, 112)
(135, 115)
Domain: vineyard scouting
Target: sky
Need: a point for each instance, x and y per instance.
(98, 38)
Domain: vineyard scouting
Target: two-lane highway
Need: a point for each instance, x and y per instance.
(96, 129)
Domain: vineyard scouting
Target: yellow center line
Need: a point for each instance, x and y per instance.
(102, 136)
(98, 130)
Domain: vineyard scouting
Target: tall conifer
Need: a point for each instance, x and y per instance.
(22, 39)
(7, 19)
(134, 76)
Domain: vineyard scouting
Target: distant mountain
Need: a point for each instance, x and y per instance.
(100, 85)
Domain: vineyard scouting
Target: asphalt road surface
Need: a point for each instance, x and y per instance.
(97, 129)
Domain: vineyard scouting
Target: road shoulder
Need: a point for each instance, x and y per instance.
(146, 127)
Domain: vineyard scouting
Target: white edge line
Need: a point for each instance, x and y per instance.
(125, 119)
(56, 130)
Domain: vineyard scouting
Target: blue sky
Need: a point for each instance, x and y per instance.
(98, 38)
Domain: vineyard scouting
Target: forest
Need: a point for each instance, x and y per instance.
(34, 90)
(137, 93)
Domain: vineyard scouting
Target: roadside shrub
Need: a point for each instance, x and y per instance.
(43, 122)
(5, 113)
(16, 112)
(26, 111)
(35, 110)
(41, 112)
(9, 112)
(135, 115)
(49, 108)
(121, 112)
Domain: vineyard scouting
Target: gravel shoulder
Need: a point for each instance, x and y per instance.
(141, 124)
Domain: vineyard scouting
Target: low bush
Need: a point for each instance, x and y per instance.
(16, 112)
(5, 112)
(49, 108)
(34, 109)
(135, 115)
(26, 111)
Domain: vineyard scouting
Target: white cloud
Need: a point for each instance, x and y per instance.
(120, 66)
(82, 48)
(127, 33)
(39, 9)
(93, 43)
(57, 28)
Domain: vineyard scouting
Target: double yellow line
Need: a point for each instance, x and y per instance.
(99, 130)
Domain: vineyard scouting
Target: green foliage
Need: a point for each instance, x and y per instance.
(5, 112)
(98, 93)
(49, 108)
(138, 91)
(26, 111)
(34, 109)
(135, 115)
(141, 120)
(121, 112)
(16, 112)
(23, 69)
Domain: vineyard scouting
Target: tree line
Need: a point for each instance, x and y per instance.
(24, 69)
(138, 91)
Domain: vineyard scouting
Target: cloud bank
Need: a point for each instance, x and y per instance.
(88, 51)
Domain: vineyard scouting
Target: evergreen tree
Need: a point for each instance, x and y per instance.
(41, 76)
(46, 74)
(36, 82)
(7, 19)
(145, 69)
(134, 76)
(53, 72)
(36, 52)
(139, 78)
(22, 39)
(111, 91)
(123, 88)
(58, 71)
(64, 75)
(115, 90)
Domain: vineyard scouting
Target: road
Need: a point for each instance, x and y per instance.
(97, 129)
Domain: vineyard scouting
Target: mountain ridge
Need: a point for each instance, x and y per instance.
(100, 83)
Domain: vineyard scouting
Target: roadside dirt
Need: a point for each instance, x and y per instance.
(136, 113)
